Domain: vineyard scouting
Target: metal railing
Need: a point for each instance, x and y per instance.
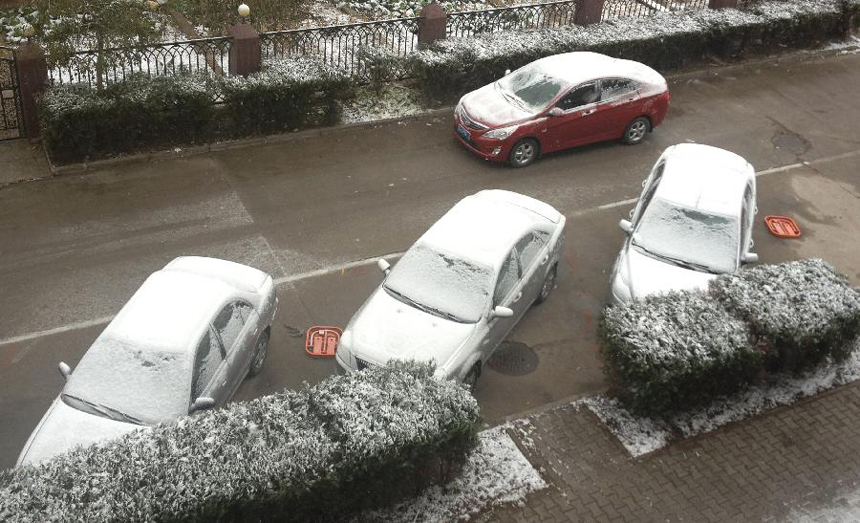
(533, 16)
(339, 45)
(635, 8)
(204, 55)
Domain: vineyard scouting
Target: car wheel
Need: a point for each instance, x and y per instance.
(471, 379)
(260, 353)
(524, 153)
(548, 285)
(636, 130)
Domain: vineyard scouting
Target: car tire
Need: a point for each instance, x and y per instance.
(548, 285)
(636, 131)
(471, 379)
(262, 348)
(524, 153)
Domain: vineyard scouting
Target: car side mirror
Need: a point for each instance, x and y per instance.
(626, 226)
(750, 257)
(384, 266)
(202, 403)
(65, 370)
(556, 111)
(501, 312)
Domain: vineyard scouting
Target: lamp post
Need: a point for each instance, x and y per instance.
(29, 31)
(244, 12)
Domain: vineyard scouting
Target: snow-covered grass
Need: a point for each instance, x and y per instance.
(394, 101)
(496, 473)
(641, 435)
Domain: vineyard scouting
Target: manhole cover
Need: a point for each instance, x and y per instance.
(513, 359)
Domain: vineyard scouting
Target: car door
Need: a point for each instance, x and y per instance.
(509, 292)
(619, 104)
(235, 325)
(533, 253)
(579, 122)
(209, 369)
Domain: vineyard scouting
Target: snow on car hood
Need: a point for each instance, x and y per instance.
(646, 275)
(63, 428)
(489, 107)
(387, 328)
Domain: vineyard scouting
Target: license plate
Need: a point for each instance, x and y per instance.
(463, 132)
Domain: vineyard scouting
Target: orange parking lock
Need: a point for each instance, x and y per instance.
(782, 226)
(321, 341)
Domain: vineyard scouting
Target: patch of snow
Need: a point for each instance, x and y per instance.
(496, 473)
(394, 101)
(638, 435)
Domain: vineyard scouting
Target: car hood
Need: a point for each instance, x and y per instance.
(62, 428)
(387, 328)
(489, 107)
(646, 275)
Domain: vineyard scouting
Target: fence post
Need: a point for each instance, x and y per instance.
(32, 81)
(433, 24)
(246, 54)
(588, 12)
(722, 4)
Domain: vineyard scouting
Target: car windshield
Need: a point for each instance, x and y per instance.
(441, 284)
(689, 237)
(531, 87)
(121, 382)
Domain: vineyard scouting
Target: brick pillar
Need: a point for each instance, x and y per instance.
(246, 55)
(721, 4)
(32, 80)
(433, 24)
(588, 12)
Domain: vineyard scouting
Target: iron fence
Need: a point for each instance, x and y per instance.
(633, 8)
(533, 16)
(204, 55)
(10, 97)
(340, 45)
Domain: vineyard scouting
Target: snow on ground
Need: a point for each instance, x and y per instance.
(496, 473)
(394, 101)
(641, 435)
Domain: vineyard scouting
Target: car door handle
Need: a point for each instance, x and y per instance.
(589, 111)
(544, 260)
(518, 296)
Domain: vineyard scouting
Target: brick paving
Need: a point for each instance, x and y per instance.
(798, 463)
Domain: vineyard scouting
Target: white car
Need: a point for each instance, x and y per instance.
(693, 222)
(183, 343)
(461, 288)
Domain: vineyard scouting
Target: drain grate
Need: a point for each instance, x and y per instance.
(513, 358)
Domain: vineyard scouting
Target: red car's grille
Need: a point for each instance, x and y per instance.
(471, 124)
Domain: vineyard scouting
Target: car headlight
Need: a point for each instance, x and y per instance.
(620, 290)
(500, 134)
(344, 346)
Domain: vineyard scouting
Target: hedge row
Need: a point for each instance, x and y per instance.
(676, 351)
(452, 67)
(79, 123)
(321, 453)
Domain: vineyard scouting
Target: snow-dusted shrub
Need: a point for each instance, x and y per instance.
(451, 67)
(381, 65)
(804, 310)
(78, 122)
(674, 351)
(320, 453)
(286, 94)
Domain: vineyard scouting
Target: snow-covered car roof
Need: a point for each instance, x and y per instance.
(581, 66)
(705, 178)
(484, 227)
(169, 312)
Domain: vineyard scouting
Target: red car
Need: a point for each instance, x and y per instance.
(561, 101)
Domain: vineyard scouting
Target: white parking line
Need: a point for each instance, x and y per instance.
(368, 261)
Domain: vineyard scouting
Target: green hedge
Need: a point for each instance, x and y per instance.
(142, 113)
(321, 453)
(452, 67)
(804, 310)
(675, 351)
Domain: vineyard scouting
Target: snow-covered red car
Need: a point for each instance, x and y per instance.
(184, 342)
(460, 289)
(558, 102)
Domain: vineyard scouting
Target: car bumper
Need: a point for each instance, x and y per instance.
(492, 150)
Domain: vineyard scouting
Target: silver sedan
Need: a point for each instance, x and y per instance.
(184, 342)
(461, 288)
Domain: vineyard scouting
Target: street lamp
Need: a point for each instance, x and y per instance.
(29, 31)
(244, 11)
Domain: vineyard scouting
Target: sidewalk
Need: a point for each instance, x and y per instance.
(21, 161)
(792, 464)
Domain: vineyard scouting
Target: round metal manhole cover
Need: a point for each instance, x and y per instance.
(513, 358)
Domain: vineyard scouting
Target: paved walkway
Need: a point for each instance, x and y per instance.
(20, 160)
(799, 463)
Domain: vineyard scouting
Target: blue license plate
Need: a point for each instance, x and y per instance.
(463, 132)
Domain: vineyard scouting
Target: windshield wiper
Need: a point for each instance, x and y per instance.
(423, 308)
(130, 419)
(677, 261)
(92, 406)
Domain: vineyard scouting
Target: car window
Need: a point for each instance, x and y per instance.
(528, 248)
(582, 95)
(508, 278)
(617, 87)
(652, 188)
(206, 361)
(230, 321)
